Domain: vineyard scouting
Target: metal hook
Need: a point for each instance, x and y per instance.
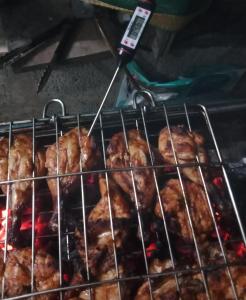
(148, 96)
(63, 107)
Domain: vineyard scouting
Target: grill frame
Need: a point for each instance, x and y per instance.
(128, 118)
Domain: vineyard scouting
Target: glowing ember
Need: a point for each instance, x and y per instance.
(91, 179)
(151, 249)
(218, 181)
(241, 249)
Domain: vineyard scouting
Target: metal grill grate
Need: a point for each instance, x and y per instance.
(150, 121)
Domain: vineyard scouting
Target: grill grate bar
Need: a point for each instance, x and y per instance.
(125, 169)
(126, 121)
(186, 202)
(140, 224)
(7, 207)
(58, 198)
(83, 209)
(212, 212)
(110, 208)
(232, 198)
(33, 206)
(159, 199)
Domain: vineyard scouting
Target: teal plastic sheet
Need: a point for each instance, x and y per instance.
(171, 7)
(203, 80)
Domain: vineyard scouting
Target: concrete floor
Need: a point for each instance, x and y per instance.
(82, 85)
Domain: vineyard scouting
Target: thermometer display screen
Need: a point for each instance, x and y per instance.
(135, 28)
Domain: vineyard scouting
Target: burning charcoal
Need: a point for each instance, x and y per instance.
(73, 147)
(19, 163)
(187, 146)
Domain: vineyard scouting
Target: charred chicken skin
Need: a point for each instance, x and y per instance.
(174, 206)
(75, 148)
(188, 145)
(138, 156)
(17, 273)
(19, 164)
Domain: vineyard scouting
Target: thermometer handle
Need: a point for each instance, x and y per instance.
(135, 30)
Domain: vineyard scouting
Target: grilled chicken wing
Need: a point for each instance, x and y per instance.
(19, 164)
(187, 146)
(46, 274)
(17, 273)
(73, 147)
(138, 156)
(174, 206)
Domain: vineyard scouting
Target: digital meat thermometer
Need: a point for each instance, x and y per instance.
(129, 43)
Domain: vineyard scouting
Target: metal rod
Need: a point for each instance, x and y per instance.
(159, 199)
(186, 203)
(104, 100)
(137, 206)
(83, 206)
(211, 210)
(7, 206)
(160, 166)
(110, 209)
(225, 175)
(58, 207)
(33, 205)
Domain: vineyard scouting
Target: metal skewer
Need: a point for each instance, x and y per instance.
(129, 43)
(104, 100)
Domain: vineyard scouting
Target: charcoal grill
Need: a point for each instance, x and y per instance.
(150, 120)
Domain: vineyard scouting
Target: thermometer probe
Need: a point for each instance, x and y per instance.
(129, 43)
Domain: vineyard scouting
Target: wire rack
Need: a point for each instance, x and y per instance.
(149, 121)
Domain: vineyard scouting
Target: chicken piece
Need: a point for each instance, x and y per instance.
(108, 291)
(99, 237)
(187, 146)
(19, 162)
(138, 156)
(99, 218)
(218, 281)
(73, 294)
(165, 288)
(46, 274)
(220, 285)
(174, 206)
(73, 146)
(18, 268)
(2, 266)
(17, 273)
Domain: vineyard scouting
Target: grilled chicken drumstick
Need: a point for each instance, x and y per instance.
(100, 242)
(138, 156)
(174, 206)
(187, 146)
(73, 147)
(19, 164)
(99, 218)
